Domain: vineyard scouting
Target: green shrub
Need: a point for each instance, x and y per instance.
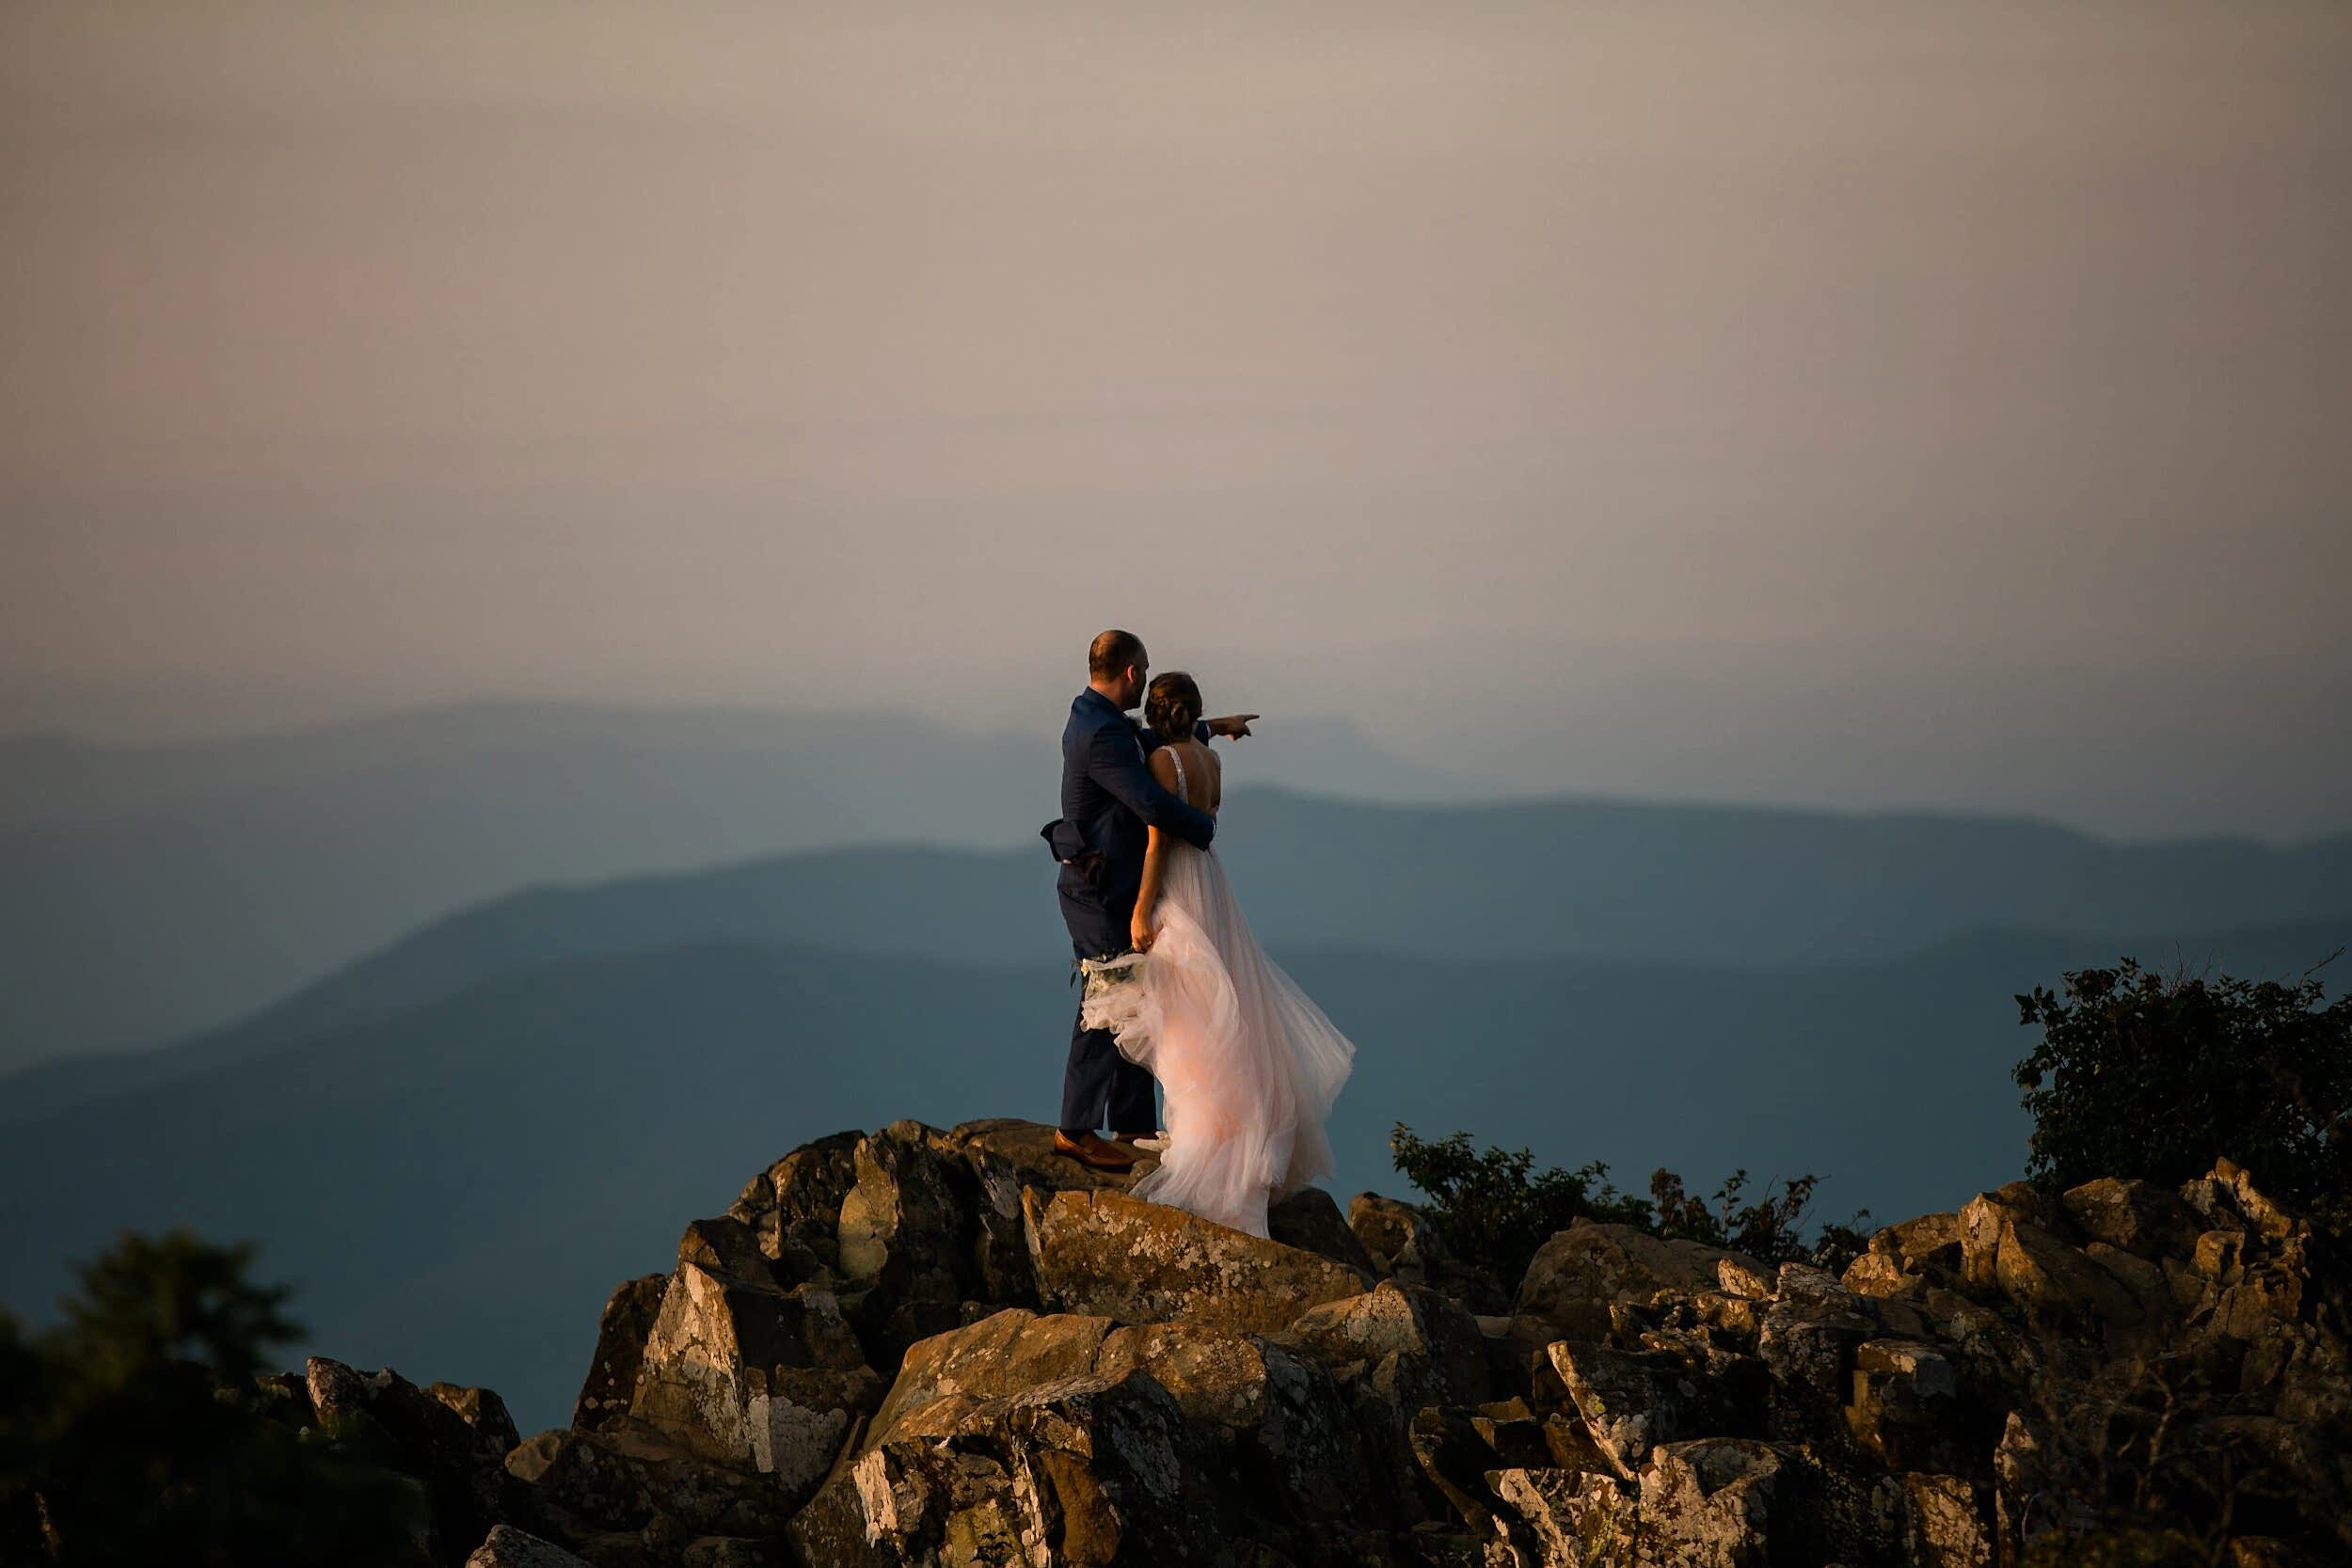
(2152, 1075)
(1495, 1209)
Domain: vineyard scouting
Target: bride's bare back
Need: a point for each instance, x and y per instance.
(1201, 778)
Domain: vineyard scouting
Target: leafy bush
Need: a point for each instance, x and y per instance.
(2152, 1075)
(1496, 1209)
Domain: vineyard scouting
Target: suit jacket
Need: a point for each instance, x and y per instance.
(1108, 796)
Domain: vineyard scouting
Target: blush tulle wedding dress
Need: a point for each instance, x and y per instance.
(1248, 1066)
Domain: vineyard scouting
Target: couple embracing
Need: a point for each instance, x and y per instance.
(1176, 988)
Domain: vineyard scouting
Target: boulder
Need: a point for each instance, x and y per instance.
(2133, 1216)
(1082, 1471)
(794, 1206)
(1925, 1241)
(997, 1356)
(754, 1377)
(910, 1240)
(1988, 1217)
(2054, 1281)
(908, 1215)
(1395, 1319)
(484, 1413)
(1809, 1349)
(1285, 1411)
(508, 1547)
(1948, 1521)
(1566, 1518)
(1401, 1240)
(2227, 1199)
(1735, 1277)
(1388, 1228)
(621, 1331)
(1576, 1275)
(460, 1461)
(1630, 1401)
(1006, 1157)
(1711, 1503)
(1309, 1220)
(1108, 1253)
(1905, 1404)
(627, 1477)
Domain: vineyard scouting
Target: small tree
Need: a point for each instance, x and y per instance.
(132, 1433)
(149, 1299)
(2152, 1075)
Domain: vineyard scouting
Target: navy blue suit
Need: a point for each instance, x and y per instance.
(1108, 796)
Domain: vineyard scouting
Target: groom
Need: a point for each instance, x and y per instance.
(1107, 796)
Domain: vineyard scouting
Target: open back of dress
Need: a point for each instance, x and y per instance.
(1247, 1066)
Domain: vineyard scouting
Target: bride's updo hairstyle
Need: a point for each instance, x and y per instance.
(1172, 705)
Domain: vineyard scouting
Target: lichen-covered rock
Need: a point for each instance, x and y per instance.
(1988, 1217)
(1399, 1319)
(1710, 1503)
(1905, 1404)
(1575, 1276)
(2136, 1218)
(2227, 1198)
(1388, 1229)
(907, 1238)
(1082, 1471)
(999, 1356)
(1112, 1380)
(1630, 1401)
(484, 1414)
(1809, 1347)
(1566, 1518)
(1006, 1156)
(2052, 1280)
(621, 1331)
(1948, 1521)
(1112, 1255)
(753, 1376)
(794, 1207)
(1401, 1243)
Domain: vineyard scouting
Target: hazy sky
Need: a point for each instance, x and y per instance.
(1934, 403)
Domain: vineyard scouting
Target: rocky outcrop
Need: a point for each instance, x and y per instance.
(954, 1347)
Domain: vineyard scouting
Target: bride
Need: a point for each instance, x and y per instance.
(1248, 1064)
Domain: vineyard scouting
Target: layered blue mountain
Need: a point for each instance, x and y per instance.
(148, 893)
(226, 873)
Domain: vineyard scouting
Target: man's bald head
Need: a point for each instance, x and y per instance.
(1111, 652)
(1117, 667)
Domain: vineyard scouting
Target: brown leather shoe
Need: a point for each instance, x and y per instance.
(1094, 1151)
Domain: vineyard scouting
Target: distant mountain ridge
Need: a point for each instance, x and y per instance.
(1606, 881)
(229, 872)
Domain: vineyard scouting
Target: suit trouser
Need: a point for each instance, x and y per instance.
(1098, 1080)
